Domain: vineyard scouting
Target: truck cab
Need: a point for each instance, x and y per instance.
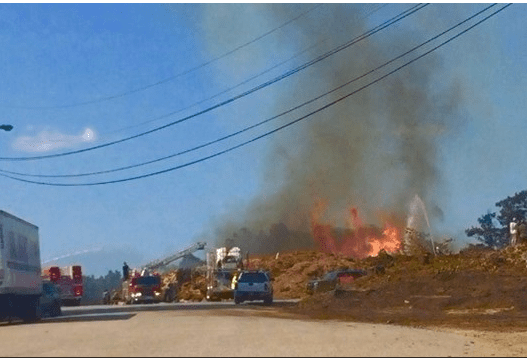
(219, 285)
(142, 289)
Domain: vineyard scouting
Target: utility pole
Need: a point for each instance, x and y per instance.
(6, 127)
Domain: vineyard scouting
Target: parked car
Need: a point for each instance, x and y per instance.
(253, 286)
(334, 280)
(50, 300)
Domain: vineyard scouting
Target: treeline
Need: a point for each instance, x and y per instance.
(94, 287)
(278, 238)
(493, 229)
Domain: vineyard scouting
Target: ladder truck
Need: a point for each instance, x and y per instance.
(145, 286)
(156, 264)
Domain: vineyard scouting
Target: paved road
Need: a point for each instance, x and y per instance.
(204, 305)
(222, 329)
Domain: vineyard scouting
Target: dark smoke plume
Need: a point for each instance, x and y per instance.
(374, 151)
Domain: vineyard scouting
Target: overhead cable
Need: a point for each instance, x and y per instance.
(339, 48)
(123, 94)
(298, 54)
(269, 132)
(259, 123)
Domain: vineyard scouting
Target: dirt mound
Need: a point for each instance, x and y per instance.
(476, 288)
(194, 290)
(292, 270)
(190, 283)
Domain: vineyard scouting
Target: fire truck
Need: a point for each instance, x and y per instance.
(223, 266)
(142, 287)
(69, 282)
(145, 286)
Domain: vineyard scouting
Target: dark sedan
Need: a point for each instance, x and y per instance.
(333, 280)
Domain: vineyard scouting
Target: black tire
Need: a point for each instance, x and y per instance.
(33, 313)
(55, 310)
(237, 301)
(268, 300)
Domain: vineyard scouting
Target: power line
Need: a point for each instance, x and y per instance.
(287, 74)
(269, 132)
(246, 80)
(140, 89)
(227, 89)
(262, 122)
(355, 40)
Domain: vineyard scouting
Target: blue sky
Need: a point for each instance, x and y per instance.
(447, 127)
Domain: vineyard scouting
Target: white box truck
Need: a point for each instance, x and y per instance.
(20, 272)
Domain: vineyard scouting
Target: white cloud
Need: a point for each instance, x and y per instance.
(52, 140)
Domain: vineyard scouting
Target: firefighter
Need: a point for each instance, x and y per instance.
(513, 230)
(126, 271)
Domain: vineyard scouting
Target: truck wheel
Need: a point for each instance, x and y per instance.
(268, 300)
(237, 301)
(33, 313)
(55, 310)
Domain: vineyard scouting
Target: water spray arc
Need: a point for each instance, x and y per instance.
(414, 224)
(72, 254)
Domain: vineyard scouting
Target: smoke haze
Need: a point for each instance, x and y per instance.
(373, 151)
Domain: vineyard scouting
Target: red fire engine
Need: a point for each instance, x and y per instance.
(69, 281)
(142, 288)
(146, 286)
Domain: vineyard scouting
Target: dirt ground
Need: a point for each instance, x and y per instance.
(476, 289)
(211, 332)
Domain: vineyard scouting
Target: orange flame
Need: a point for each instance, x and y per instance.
(322, 232)
(358, 240)
(390, 241)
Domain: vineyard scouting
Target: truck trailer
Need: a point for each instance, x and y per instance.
(20, 280)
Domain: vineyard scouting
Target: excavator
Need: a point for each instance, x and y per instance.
(145, 286)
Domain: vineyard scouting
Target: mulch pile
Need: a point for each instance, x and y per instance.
(475, 288)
